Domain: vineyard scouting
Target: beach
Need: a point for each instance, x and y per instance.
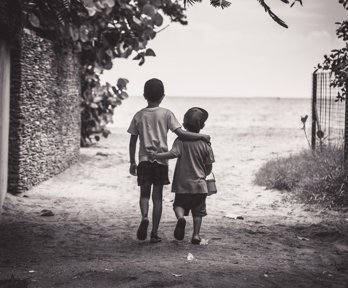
(253, 237)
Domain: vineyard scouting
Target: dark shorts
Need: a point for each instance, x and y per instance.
(152, 173)
(193, 202)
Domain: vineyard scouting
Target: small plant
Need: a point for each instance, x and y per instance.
(304, 120)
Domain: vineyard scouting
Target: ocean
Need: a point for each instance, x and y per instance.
(227, 112)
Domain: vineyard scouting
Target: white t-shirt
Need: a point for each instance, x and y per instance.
(152, 125)
(190, 170)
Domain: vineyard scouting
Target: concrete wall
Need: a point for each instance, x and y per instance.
(44, 111)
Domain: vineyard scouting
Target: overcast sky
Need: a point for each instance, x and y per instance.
(239, 51)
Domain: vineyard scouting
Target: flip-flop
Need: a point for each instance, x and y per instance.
(179, 232)
(142, 230)
(196, 241)
(155, 238)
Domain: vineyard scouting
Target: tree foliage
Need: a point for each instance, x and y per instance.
(103, 30)
(337, 61)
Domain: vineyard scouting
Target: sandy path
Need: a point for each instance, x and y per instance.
(90, 241)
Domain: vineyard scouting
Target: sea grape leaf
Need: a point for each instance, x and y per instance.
(150, 52)
(34, 20)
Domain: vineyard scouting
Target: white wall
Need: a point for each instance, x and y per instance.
(4, 116)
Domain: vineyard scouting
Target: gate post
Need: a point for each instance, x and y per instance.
(314, 106)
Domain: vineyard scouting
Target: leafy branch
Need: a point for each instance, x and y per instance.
(337, 61)
(224, 4)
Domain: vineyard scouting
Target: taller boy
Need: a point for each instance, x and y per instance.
(151, 125)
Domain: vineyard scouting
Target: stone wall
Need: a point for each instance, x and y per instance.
(44, 111)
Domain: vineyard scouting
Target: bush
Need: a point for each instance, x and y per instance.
(318, 177)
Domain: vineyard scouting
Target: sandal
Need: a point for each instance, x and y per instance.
(155, 238)
(196, 240)
(142, 230)
(179, 232)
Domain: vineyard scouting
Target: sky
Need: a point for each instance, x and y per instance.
(239, 51)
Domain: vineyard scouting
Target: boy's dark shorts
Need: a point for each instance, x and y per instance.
(152, 173)
(193, 202)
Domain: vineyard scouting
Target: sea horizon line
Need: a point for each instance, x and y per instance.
(232, 97)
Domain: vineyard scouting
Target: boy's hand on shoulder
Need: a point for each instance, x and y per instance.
(206, 138)
(133, 169)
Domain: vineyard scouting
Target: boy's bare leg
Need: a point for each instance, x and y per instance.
(157, 199)
(179, 232)
(197, 222)
(179, 212)
(145, 192)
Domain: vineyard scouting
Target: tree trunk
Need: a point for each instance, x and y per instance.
(4, 116)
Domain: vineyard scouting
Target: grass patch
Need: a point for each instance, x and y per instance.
(319, 177)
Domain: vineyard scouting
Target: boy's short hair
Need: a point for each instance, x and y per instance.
(153, 89)
(195, 118)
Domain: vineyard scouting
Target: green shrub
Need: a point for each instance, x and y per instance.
(318, 177)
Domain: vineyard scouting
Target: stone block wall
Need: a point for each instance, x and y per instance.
(44, 111)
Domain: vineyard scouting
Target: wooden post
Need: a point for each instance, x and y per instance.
(346, 127)
(314, 111)
(4, 116)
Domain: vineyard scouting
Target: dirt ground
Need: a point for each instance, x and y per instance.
(90, 241)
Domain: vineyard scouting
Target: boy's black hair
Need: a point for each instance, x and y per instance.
(153, 90)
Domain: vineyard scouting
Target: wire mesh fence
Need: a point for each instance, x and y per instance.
(328, 113)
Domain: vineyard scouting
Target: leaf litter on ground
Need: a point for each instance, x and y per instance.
(190, 257)
(302, 238)
(47, 213)
(204, 242)
(233, 216)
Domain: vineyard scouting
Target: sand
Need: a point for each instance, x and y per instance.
(91, 239)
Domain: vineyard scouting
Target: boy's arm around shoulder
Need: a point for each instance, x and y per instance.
(175, 126)
(191, 136)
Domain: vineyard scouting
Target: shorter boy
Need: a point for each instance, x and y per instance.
(193, 165)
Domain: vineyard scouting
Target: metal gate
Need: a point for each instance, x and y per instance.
(328, 112)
